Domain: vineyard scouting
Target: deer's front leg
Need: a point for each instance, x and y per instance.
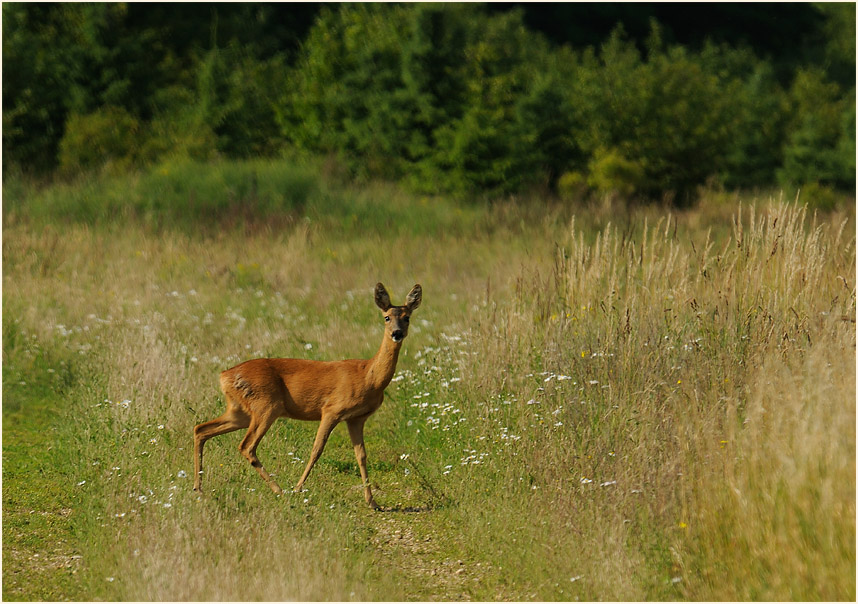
(356, 434)
(326, 426)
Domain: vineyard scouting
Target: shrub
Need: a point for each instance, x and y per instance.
(667, 114)
(613, 174)
(431, 91)
(179, 132)
(236, 95)
(818, 147)
(494, 145)
(550, 124)
(572, 186)
(342, 98)
(819, 197)
(758, 115)
(108, 135)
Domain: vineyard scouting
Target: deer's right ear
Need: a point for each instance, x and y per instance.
(382, 298)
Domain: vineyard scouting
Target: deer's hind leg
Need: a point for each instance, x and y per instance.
(233, 419)
(259, 425)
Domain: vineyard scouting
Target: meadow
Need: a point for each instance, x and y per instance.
(594, 401)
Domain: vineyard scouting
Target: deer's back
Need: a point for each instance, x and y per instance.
(296, 388)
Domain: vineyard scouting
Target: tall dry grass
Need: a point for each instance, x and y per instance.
(701, 439)
(206, 554)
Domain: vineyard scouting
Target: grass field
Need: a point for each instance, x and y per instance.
(590, 404)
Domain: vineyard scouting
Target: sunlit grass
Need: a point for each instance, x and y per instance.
(650, 410)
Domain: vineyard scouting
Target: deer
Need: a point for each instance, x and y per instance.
(260, 391)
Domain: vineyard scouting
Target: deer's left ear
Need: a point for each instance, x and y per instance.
(414, 297)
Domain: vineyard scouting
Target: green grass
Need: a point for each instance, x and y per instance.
(40, 545)
(660, 409)
(252, 194)
(177, 194)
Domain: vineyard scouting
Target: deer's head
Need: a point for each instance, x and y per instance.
(396, 318)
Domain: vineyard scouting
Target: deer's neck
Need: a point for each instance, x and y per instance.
(381, 367)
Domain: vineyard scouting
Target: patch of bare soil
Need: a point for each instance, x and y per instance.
(411, 545)
(23, 566)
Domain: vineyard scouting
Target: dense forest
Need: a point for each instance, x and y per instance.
(640, 100)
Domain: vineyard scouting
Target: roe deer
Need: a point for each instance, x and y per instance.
(261, 390)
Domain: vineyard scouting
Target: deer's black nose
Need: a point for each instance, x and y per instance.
(397, 335)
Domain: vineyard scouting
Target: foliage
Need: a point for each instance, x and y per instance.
(820, 146)
(760, 112)
(159, 65)
(516, 113)
(341, 98)
(108, 135)
(613, 174)
(489, 148)
(666, 115)
(446, 98)
(227, 111)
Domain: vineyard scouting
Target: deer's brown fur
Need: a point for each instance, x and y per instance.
(260, 391)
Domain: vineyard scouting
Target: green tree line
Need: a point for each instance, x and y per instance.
(452, 98)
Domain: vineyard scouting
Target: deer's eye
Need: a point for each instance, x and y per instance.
(406, 319)
(387, 319)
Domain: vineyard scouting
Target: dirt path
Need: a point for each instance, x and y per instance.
(412, 543)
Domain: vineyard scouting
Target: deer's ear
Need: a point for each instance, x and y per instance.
(382, 298)
(414, 297)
